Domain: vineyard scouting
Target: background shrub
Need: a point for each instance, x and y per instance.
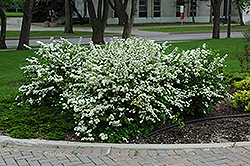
(120, 91)
(242, 94)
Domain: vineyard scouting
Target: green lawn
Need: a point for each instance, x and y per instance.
(192, 29)
(49, 33)
(13, 14)
(224, 46)
(10, 63)
(145, 24)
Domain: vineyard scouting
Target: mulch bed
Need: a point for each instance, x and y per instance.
(209, 131)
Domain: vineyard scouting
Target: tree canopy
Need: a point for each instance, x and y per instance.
(243, 4)
(15, 3)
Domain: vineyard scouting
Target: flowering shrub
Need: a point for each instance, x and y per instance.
(119, 91)
(51, 73)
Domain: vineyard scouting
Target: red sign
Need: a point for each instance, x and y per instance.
(181, 16)
(182, 12)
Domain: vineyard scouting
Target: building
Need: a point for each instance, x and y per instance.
(160, 11)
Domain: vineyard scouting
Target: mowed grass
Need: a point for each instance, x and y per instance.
(192, 29)
(48, 33)
(14, 14)
(26, 122)
(145, 24)
(10, 63)
(223, 46)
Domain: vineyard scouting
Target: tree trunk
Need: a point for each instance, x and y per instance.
(68, 17)
(98, 32)
(127, 30)
(216, 27)
(121, 21)
(76, 11)
(241, 17)
(211, 13)
(3, 30)
(98, 20)
(192, 10)
(121, 8)
(26, 24)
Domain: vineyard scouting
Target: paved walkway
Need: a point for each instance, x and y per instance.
(22, 152)
(22, 155)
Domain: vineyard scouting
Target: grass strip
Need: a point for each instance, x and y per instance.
(223, 46)
(13, 14)
(145, 24)
(49, 33)
(191, 29)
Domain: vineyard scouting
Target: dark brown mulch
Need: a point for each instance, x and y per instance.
(209, 131)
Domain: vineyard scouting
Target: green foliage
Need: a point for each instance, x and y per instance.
(235, 77)
(242, 94)
(242, 85)
(243, 5)
(6, 2)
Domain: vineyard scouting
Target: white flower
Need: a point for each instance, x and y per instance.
(103, 136)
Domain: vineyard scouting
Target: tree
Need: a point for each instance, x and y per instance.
(121, 11)
(115, 8)
(98, 19)
(193, 5)
(68, 17)
(26, 24)
(3, 30)
(242, 5)
(216, 27)
(76, 11)
(3, 22)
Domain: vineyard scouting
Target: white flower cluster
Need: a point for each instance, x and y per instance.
(123, 85)
(51, 72)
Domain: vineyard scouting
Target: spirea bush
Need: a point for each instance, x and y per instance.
(121, 90)
(51, 72)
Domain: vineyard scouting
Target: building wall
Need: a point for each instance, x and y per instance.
(168, 10)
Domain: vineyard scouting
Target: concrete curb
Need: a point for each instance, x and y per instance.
(66, 144)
